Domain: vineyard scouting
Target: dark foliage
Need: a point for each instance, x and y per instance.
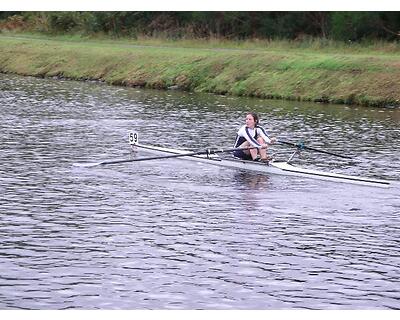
(354, 26)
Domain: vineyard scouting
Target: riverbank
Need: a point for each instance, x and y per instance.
(363, 77)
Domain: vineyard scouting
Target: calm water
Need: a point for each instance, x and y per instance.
(180, 235)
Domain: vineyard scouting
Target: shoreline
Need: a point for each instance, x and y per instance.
(366, 78)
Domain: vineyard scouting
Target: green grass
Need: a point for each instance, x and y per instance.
(316, 71)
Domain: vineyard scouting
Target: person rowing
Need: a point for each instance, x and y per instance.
(251, 135)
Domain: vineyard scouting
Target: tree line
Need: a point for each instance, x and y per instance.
(294, 25)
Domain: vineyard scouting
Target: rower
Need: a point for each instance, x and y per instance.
(251, 135)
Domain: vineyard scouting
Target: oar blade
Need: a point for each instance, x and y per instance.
(86, 164)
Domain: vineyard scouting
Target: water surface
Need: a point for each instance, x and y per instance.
(176, 234)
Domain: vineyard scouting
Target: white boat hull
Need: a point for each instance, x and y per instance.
(275, 167)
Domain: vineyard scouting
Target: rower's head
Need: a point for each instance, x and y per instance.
(251, 120)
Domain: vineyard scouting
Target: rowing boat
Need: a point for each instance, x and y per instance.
(211, 156)
(273, 167)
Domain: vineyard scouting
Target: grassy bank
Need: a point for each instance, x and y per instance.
(365, 76)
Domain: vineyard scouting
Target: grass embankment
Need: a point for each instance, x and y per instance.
(335, 75)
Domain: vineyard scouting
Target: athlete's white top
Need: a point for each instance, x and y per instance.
(251, 135)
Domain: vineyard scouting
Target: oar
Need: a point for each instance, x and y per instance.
(186, 154)
(301, 146)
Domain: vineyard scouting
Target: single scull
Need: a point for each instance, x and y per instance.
(273, 167)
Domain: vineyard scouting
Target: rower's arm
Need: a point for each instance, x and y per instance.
(264, 135)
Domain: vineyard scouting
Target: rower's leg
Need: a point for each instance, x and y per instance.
(251, 152)
(254, 152)
(262, 151)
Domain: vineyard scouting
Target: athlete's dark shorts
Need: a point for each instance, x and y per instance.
(240, 154)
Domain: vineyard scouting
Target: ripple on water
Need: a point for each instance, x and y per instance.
(181, 235)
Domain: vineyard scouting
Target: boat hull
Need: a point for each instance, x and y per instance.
(275, 167)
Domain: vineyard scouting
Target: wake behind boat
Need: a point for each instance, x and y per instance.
(273, 167)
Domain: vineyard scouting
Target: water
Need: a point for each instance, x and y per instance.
(181, 235)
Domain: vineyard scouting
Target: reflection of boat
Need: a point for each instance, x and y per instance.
(252, 180)
(273, 167)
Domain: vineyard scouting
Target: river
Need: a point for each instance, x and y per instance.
(176, 234)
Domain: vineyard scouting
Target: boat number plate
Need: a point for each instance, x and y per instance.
(133, 138)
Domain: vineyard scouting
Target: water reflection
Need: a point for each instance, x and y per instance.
(251, 181)
(176, 234)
